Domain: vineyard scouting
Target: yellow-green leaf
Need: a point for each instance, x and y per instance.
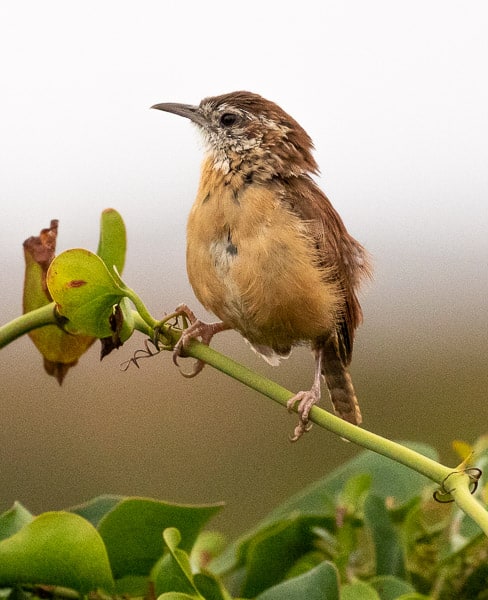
(84, 291)
(56, 548)
(113, 240)
(59, 350)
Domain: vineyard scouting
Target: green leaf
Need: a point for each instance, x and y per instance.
(317, 584)
(133, 531)
(210, 587)
(271, 553)
(56, 548)
(172, 539)
(84, 291)
(13, 519)
(391, 588)
(132, 586)
(358, 591)
(113, 240)
(94, 510)
(354, 492)
(388, 548)
(424, 529)
(170, 575)
(306, 561)
(59, 350)
(173, 573)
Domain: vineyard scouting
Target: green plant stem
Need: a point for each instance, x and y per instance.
(428, 467)
(431, 469)
(45, 315)
(141, 310)
(459, 483)
(141, 325)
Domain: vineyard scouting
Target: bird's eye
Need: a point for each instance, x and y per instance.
(228, 119)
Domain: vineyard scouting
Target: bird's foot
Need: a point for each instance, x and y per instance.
(196, 330)
(305, 402)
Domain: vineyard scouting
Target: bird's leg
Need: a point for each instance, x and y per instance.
(307, 399)
(197, 330)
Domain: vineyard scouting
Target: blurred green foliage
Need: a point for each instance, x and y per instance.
(371, 529)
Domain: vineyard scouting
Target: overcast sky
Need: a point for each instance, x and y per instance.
(394, 94)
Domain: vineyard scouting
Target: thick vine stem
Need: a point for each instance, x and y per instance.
(461, 492)
(45, 315)
(428, 467)
(456, 483)
(460, 482)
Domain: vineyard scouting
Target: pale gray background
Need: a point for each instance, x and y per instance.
(395, 96)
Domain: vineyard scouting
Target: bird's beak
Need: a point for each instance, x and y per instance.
(184, 110)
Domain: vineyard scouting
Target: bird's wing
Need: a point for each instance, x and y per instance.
(336, 249)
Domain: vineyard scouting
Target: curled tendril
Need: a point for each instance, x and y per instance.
(151, 348)
(443, 495)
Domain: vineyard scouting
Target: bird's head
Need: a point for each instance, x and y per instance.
(243, 131)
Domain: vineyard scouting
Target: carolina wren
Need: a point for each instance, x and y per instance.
(266, 251)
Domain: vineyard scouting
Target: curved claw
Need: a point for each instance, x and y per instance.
(198, 330)
(299, 430)
(197, 368)
(305, 402)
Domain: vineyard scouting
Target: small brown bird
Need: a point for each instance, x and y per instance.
(266, 251)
